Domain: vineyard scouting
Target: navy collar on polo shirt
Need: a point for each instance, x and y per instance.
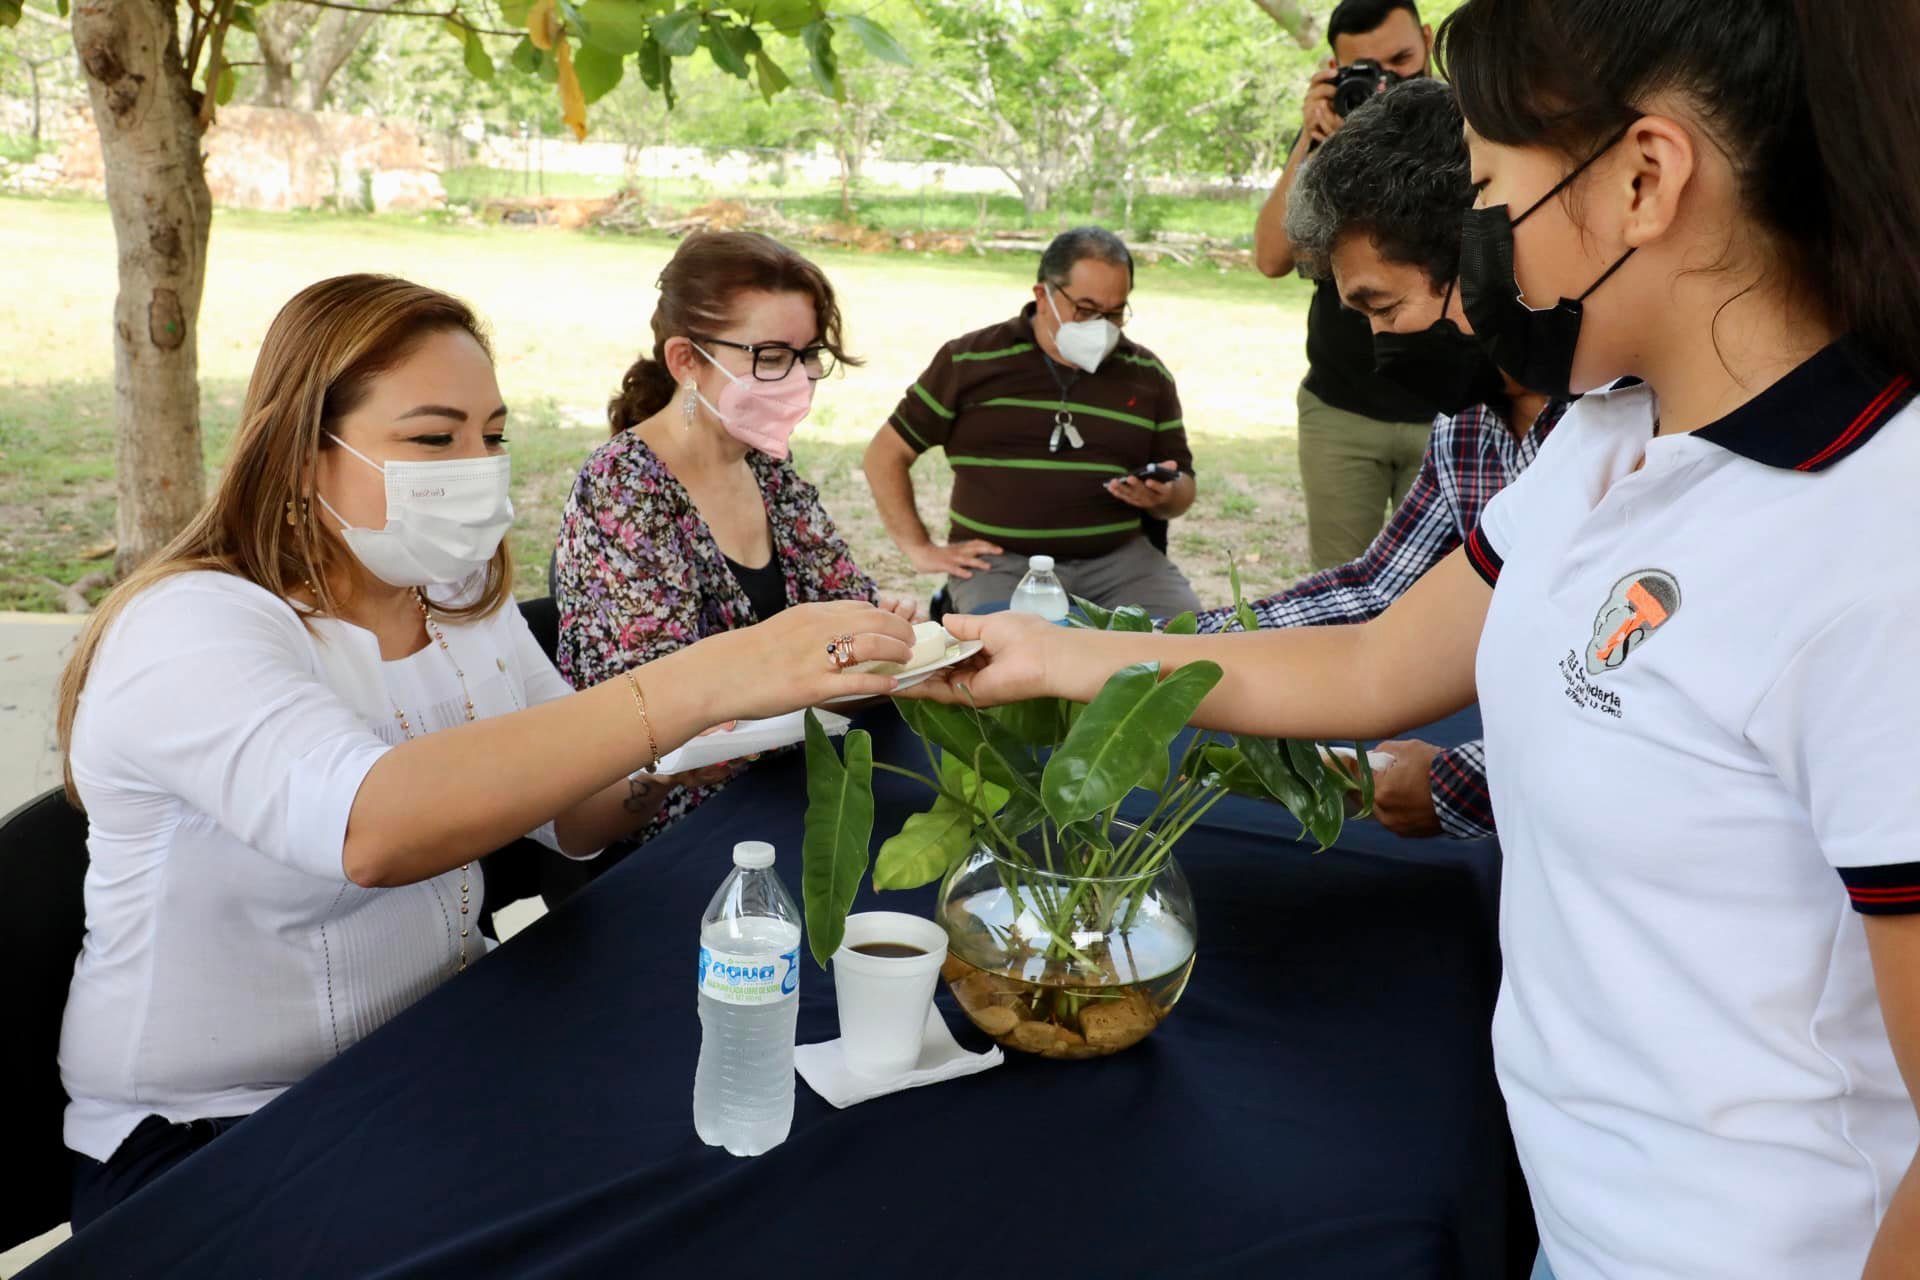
(1818, 414)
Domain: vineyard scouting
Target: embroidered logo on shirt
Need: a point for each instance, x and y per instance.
(1641, 603)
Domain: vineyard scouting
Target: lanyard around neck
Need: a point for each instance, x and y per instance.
(1063, 427)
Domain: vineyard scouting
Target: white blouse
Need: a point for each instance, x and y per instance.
(218, 748)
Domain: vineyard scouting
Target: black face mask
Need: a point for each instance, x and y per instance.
(1536, 347)
(1442, 366)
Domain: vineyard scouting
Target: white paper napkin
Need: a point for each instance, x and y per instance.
(747, 737)
(824, 1067)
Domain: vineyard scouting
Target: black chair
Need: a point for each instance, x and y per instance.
(43, 864)
(526, 868)
(523, 868)
(543, 619)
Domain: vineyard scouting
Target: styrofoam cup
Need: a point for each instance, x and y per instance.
(883, 1000)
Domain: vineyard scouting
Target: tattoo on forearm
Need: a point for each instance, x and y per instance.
(640, 793)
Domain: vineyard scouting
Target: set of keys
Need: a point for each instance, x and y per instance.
(1063, 427)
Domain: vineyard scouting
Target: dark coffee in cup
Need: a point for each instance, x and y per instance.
(890, 950)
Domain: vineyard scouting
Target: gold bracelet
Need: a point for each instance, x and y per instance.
(640, 703)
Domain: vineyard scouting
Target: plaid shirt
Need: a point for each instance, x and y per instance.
(1470, 457)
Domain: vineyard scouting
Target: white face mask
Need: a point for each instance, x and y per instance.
(1084, 343)
(445, 519)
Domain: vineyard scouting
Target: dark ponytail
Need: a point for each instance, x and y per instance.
(697, 291)
(645, 390)
(1818, 144)
(1866, 129)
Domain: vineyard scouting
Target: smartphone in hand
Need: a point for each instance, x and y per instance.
(1154, 471)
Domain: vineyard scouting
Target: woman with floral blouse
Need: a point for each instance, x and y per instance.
(692, 520)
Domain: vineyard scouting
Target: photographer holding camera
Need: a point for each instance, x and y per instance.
(1361, 438)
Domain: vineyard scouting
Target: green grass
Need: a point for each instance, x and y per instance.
(569, 311)
(878, 208)
(20, 147)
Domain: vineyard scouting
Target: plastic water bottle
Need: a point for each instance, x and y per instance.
(1040, 592)
(749, 1002)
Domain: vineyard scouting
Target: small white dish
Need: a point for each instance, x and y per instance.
(958, 651)
(1346, 760)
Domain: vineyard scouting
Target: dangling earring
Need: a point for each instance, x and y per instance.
(295, 517)
(686, 406)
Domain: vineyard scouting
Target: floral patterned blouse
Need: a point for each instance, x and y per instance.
(638, 575)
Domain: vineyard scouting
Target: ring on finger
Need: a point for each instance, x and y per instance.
(840, 652)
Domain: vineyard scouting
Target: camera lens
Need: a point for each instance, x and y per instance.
(1352, 93)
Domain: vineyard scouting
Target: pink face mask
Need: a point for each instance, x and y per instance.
(761, 415)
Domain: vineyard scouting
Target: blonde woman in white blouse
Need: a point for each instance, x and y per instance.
(295, 730)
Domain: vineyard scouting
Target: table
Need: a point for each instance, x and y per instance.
(1321, 1104)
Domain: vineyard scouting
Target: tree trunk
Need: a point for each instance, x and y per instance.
(33, 75)
(1035, 196)
(335, 37)
(278, 31)
(145, 110)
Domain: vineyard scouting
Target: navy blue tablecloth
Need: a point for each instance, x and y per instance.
(1321, 1104)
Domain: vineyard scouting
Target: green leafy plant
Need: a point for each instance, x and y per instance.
(1041, 782)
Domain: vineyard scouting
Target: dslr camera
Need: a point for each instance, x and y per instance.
(1355, 85)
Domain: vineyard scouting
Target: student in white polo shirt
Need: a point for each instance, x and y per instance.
(1693, 626)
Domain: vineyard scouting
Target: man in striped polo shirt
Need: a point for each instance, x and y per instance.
(1046, 419)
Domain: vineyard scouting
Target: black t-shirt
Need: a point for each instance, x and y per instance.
(766, 587)
(1340, 364)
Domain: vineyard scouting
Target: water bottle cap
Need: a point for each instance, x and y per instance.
(753, 854)
(1040, 564)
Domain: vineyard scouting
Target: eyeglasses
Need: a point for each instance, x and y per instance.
(1084, 311)
(773, 361)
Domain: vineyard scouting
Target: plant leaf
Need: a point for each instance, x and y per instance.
(472, 52)
(525, 58)
(1131, 618)
(726, 49)
(1235, 774)
(926, 847)
(784, 16)
(768, 76)
(1021, 816)
(1112, 746)
(1363, 769)
(962, 731)
(656, 69)
(838, 829)
(678, 32)
(982, 795)
(540, 25)
(599, 71)
(242, 17)
(877, 39)
(1307, 764)
(229, 81)
(1329, 814)
(618, 26)
(1242, 611)
(1186, 624)
(1267, 757)
(514, 12)
(818, 37)
(573, 101)
(1097, 618)
(1038, 722)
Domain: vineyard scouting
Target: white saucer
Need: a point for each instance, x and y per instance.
(958, 651)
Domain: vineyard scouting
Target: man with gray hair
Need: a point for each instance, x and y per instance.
(1376, 215)
(1065, 440)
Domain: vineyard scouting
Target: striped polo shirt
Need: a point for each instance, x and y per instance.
(990, 400)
